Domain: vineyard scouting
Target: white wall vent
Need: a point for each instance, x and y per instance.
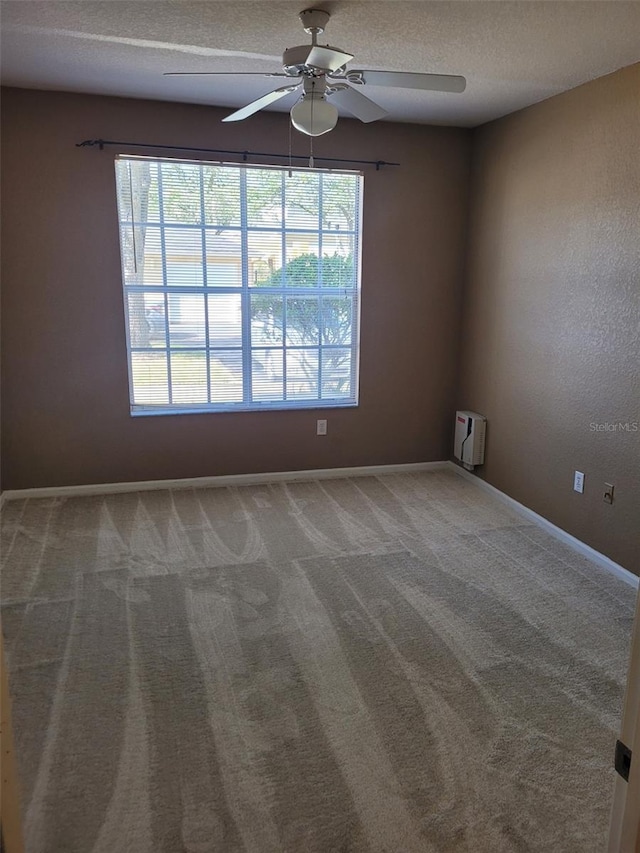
(468, 445)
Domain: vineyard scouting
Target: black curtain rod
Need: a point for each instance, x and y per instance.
(101, 143)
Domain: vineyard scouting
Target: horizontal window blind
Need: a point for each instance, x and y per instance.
(241, 285)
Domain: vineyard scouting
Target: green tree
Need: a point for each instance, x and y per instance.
(134, 182)
(303, 314)
(309, 320)
(182, 182)
(182, 202)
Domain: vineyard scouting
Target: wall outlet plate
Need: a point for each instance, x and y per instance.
(578, 482)
(321, 427)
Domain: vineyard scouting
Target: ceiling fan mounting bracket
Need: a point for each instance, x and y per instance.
(314, 21)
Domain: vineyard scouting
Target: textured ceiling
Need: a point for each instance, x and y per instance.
(512, 53)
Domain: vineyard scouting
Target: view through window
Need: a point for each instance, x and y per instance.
(241, 285)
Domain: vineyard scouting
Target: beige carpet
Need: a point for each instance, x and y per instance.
(394, 664)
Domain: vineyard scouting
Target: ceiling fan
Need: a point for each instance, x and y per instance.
(327, 83)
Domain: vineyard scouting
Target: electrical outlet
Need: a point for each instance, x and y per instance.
(578, 482)
(321, 427)
(607, 497)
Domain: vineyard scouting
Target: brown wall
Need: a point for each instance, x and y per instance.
(550, 337)
(64, 374)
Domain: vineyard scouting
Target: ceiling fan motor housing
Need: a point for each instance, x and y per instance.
(294, 60)
(313, 60)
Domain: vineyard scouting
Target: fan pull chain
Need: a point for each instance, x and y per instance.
(290, 167)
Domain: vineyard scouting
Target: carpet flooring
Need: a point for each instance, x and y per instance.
(392, 664)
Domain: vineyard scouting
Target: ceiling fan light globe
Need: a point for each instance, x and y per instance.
(314, 116)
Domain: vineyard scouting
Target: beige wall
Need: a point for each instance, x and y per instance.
(550, 335)
(65, 398)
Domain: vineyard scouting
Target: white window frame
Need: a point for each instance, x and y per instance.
(245, 291)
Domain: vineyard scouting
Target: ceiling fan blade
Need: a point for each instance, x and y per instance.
(408, 80)
(226, 74)
(327, 58)
(264, 101)
(356, 103)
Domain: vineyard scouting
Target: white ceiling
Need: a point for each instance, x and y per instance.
(512, 53)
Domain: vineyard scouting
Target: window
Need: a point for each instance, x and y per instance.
(241, 285)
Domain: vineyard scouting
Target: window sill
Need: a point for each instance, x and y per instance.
(253, 409)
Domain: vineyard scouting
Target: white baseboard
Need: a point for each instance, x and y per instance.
(577, 544)
(222, 480)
